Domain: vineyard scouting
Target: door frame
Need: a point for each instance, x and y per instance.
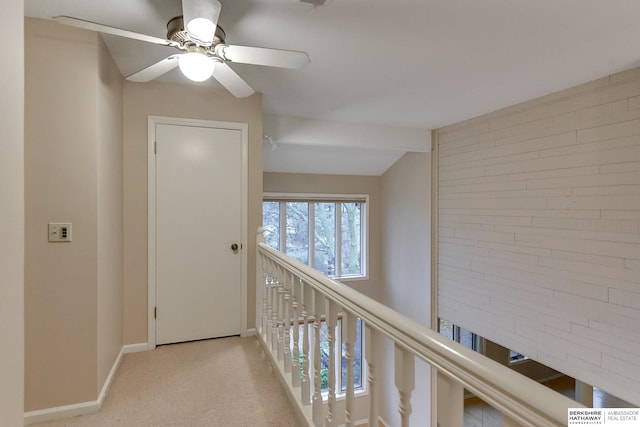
(152, 121)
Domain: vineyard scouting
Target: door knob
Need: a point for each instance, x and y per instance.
(234, 247)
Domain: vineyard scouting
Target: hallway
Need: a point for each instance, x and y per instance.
(218, 382)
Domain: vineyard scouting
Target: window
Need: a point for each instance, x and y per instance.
(339, 355)
(471, 340)
(461, 335)
(325, 232)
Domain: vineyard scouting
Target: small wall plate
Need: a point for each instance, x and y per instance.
(59, 232)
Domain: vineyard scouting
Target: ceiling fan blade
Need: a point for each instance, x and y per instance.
(88, 25)
(155, 70)
(232, 81)
(263, 56)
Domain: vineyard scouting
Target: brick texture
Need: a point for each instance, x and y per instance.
(539, 230)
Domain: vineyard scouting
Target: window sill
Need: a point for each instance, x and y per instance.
(350, 278)
(361, 391)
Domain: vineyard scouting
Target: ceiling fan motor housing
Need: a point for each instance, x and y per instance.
(177, 33)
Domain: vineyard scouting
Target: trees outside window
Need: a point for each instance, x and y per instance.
(297, 231)
(271, 223)
(324, 259)
(325, 234)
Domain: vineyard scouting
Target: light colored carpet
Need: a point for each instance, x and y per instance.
(219, 382)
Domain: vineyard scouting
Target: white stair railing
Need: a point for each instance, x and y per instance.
(292, 302)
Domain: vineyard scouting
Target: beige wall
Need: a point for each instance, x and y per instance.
(341, 184)
(406, 225)
(60, 163)
(12, 216)
(539, 230)
(72, 158)
(194, 102)
(406, 205)
(110, 195)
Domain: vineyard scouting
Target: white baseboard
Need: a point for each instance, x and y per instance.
(251, 332)
(135, 348)
(84, 408)
(109, 380)
(61, 412)
(381, 422)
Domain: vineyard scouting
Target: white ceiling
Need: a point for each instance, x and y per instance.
(406, 63)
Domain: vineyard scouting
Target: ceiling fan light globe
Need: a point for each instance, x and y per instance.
(196, 66)
(202, 30)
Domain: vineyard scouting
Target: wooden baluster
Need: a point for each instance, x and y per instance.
(274, 316)
(274, 312)
(295, 363)
(261, 276)
(349, 332)
(265, 287)
(370, 342)
(267, 315)
(269, 298)
(260, 280)
(405, 381)
(450, 401)
(287, 322)
(331, 320)
(281, 313)
(318, 311)
(307, 302)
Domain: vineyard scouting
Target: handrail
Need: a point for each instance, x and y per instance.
(520, 398)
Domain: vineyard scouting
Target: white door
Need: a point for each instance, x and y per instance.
(198, 220)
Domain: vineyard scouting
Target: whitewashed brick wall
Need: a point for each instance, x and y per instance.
(539, 230)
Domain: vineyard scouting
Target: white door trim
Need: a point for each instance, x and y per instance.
(151, 215)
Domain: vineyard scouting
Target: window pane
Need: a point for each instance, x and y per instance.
(325, 238)
(271, 223)
(298, 231)
(303, 334)
(357, 359)
(324, 356)
(351, 239)
(446, 328)
(466, 338)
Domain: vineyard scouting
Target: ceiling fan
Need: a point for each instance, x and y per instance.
(204, 52)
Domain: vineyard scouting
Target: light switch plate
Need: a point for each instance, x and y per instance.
(59, 231)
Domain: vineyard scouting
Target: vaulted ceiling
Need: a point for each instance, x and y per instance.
(405, 63)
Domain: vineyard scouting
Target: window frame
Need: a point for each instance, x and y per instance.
(311, 199)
